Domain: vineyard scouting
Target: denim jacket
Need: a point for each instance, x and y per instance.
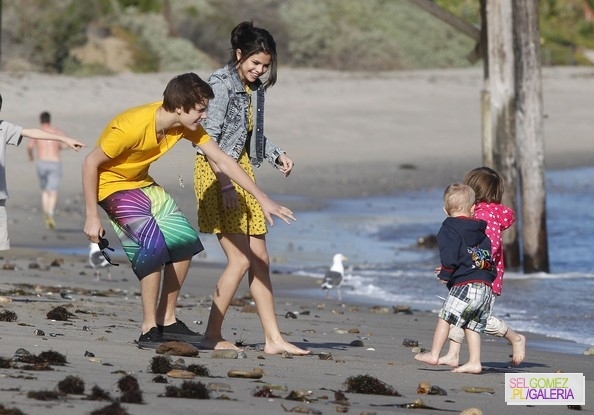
(227, 118)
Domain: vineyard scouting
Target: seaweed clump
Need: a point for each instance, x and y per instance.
(59, 313)
(130, 389)
(161, 364)
(10, 411)
(7, 315)
(369, 385)
(199, 370)
(98, 394)
(72, 385)
(113, 409)
(189, 390)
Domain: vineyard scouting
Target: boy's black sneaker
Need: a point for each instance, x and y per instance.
(178, 331)
(151, 339)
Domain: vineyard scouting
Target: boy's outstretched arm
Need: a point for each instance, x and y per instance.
(46, 135)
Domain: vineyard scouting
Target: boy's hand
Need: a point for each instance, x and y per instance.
(73, 144)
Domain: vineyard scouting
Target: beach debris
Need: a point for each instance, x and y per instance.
(181, 374)
(224, 354)
(161, 364)
(246, 374)
(589, 351)
(177, 348)
(130, 389)
(471, 411)
(286, 355)
(402, 309)
(66, 296)
(10, 411)
(59, 313)
(354, 330)
(367, 384)
(418, 349)
(9, 267)
(264, 391)
(5, 299)
(427, 241)
(478, 389)
(219, 387)
(410, 343)
(8, 316)
(300, 409)
(290, 314)
(378, 309)
(188, 390)
(198, 370)
(425, 388)
(89, 354)
(357, 343)
(575, 407)
(44, 395)
(340, 398)
(39, 332)
(98, 394)
(301, 396)
(160, 379)
(49, 357)
(111, 409)
(325, 356)
(5, 363)
(72, 385)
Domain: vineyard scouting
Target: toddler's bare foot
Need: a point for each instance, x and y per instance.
(469, 368)
(218, 344)
(518, 349)
(283, 346)
(449, 360)
(427, 358)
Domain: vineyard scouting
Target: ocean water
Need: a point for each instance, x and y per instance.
(379, 236)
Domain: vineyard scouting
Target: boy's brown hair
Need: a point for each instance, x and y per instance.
(486, 183)
(186, 91)
(459, 198)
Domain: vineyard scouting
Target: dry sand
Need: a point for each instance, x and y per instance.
(351, 135)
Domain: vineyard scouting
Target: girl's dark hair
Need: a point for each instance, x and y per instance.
(186, 91)
(487, 184)
(251, 40)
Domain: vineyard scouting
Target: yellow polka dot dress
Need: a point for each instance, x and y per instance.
(247, 218)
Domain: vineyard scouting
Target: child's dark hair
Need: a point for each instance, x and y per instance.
(251, 40)
(186, 91)
(487, 184)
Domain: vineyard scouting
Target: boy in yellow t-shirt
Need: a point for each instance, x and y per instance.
(153, 231)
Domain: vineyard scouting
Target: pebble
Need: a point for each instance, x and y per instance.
(176, 348)
(471, 411)
(410, 343)
(244, 374)
(181, 374)
(357, 343)
(224, 354)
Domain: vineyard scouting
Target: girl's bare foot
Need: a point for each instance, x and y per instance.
(448, 360)
(283, 346)
(427, 358)
(469, 368)
(518, 349)
(218, 344)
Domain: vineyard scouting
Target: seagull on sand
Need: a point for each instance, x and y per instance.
(335, 275)
(98, 261)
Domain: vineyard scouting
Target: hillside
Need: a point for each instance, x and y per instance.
(108, 36)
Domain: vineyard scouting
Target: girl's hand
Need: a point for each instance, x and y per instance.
(285, 164)
(230, 199)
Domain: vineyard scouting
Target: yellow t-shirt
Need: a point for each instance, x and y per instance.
(130, 141)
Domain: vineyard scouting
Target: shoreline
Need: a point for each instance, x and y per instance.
(292, 287)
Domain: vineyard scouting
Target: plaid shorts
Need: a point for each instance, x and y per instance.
(468, 306)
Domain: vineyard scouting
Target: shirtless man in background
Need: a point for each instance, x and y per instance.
(49, 168)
